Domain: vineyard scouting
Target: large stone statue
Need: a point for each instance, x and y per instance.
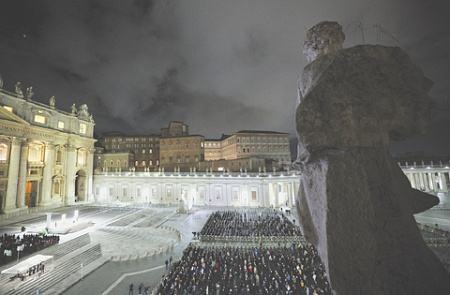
(354, 202)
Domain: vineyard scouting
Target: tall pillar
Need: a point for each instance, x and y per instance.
(13, 175)
(20, 201)
(48, 173)
(433, 182)
(89, 175)
(413, 180)
(442, 182)
(422, 185)
(70, 174)
(276, 190)
(430, 182)
(266, 194)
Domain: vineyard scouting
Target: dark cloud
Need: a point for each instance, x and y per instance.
(219, 66)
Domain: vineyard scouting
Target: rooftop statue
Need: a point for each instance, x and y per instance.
(52, 101)
(29, 95)
(74, 109)
(83, 112)
(18, 89)
(354, 202)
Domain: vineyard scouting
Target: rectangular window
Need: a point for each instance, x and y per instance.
(124, 191)
(82, 128)
(150, 151)
(61, 124)
(235, 195)
(169, 193)
(111, 191)
(143, 151)
(39, 119)
(138, 192)
(254, 196)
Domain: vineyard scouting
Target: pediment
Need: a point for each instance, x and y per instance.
(8, 116)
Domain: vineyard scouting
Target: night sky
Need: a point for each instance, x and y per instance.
(218, 66)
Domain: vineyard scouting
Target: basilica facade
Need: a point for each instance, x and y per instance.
(46, 154)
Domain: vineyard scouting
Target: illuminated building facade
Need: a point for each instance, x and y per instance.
(46, 154)
(249, 149)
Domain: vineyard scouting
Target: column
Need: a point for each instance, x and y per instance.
(13, 175)
(442, 182)
(412, 180)
(89, 175)
(276, 190)
(20, 201)
(266, 199)
(430, 182)
(290, 194)
(70, 174)
(433, 182)
(48, 173)
(422, 185)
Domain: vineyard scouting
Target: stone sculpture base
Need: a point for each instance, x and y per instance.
(357, 208)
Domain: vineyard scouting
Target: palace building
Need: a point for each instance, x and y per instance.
(46, 154)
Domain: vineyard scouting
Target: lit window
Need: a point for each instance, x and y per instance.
(82, 157)
(136, 163)
(143, 151)
(143, 163)
(39, 119)
(150, 163)
(150, 151)
(3, 152)
(82, 128)
(61, 124)
(8, 108)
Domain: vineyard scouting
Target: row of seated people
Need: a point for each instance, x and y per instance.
(235, 270)
(27, 244)
(249, 223)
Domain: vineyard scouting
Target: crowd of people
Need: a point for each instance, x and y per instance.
(249, 223)
(219, 270)
(25, 243)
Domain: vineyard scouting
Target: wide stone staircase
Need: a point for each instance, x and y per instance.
(71, 261)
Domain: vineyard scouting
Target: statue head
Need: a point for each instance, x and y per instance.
(324, 38)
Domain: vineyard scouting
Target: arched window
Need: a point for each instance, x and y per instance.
(35, 153)
(81, 155)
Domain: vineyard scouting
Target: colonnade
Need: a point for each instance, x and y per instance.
(427, 177)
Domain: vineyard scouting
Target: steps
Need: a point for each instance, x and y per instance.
(67, 260)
